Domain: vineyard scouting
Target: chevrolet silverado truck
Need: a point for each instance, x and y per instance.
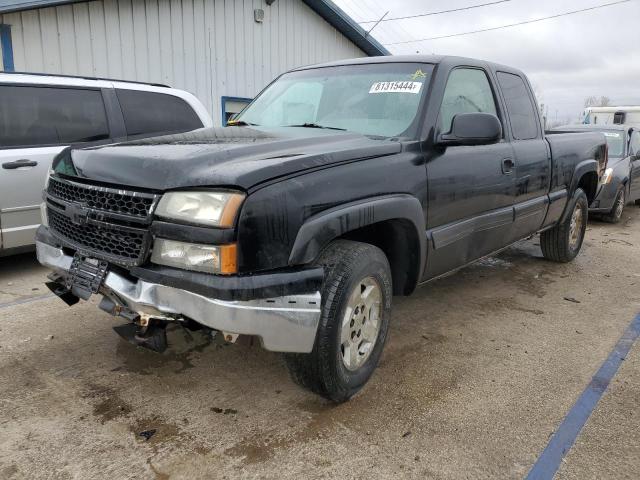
(338, 187)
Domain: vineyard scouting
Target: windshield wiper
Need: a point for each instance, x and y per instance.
(315, 125)
(240, 123)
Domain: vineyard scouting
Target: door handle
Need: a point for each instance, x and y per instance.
(19, 163)
(507, 166)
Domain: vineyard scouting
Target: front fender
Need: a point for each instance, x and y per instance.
(318, 230)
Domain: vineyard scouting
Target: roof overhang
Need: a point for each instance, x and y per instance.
(347, 26)
(325, 8)
(8, 6)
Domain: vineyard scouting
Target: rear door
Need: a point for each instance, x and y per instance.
(470, 188)
(36, 123)
(634, 151)
(532, 156)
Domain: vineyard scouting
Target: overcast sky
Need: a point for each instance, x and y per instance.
(567, 59)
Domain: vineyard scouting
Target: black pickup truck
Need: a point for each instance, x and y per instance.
(338, 187)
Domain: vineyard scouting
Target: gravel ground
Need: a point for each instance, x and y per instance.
(479, 370)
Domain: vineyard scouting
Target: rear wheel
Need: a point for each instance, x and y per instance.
(615, 214)
(563, 242)
(356, 303)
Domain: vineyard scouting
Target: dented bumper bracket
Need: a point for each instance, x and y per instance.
(283, 324)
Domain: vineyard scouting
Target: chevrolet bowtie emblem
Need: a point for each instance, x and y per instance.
(77, 213)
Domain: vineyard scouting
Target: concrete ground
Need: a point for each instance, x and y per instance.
(479, 370)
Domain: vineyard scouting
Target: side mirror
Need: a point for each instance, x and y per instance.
(472, 129)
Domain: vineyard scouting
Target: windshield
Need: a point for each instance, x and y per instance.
(615, 141)
(373, 99)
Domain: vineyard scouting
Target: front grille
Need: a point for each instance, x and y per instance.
(105, 199)
(106, 223)
(100, 239)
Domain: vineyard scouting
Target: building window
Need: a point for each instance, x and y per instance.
(619, 118)
(232, 106)
(6, 47)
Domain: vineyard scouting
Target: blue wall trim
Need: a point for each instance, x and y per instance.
(223, 103)
(561, 442)
(7, 48)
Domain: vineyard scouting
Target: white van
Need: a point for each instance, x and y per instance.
(612, 116)
(43, 114)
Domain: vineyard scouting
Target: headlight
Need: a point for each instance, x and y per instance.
(607, 176)
(196, 257)
(216, 209)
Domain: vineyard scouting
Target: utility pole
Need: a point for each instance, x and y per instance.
(376, 24)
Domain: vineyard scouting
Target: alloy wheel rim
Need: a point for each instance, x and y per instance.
(576, 227)
(361, 323)
(620, 205)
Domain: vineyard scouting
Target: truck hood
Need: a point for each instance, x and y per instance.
(230, 156)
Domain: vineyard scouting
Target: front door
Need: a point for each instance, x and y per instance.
(471, 188)
(634, 151)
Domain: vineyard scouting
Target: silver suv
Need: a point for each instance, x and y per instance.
(43, 114)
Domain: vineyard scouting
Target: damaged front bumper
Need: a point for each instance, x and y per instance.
(283, 324)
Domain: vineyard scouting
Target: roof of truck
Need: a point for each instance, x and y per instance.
(434, 59)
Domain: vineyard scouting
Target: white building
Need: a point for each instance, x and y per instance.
(223, 51)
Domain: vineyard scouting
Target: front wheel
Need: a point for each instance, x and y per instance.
(563, 242)
(356, 304)
(615, 214)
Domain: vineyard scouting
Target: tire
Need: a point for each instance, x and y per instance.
(562, 243)
(615, 214)
(346, 353)
(638, 202)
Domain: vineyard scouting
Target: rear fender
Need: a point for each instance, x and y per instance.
(583, 168)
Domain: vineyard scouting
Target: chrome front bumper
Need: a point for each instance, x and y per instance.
(284, 324)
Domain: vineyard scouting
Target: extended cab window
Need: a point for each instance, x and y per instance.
(524, 121)
(371, 99)
(467, 91)
(37, 116)
(156, 113)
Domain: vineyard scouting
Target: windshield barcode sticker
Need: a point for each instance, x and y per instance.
(396, 87)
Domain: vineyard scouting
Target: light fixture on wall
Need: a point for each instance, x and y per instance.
(258, 15)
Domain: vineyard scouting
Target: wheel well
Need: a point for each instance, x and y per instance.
(399, 241)
(589, 183)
